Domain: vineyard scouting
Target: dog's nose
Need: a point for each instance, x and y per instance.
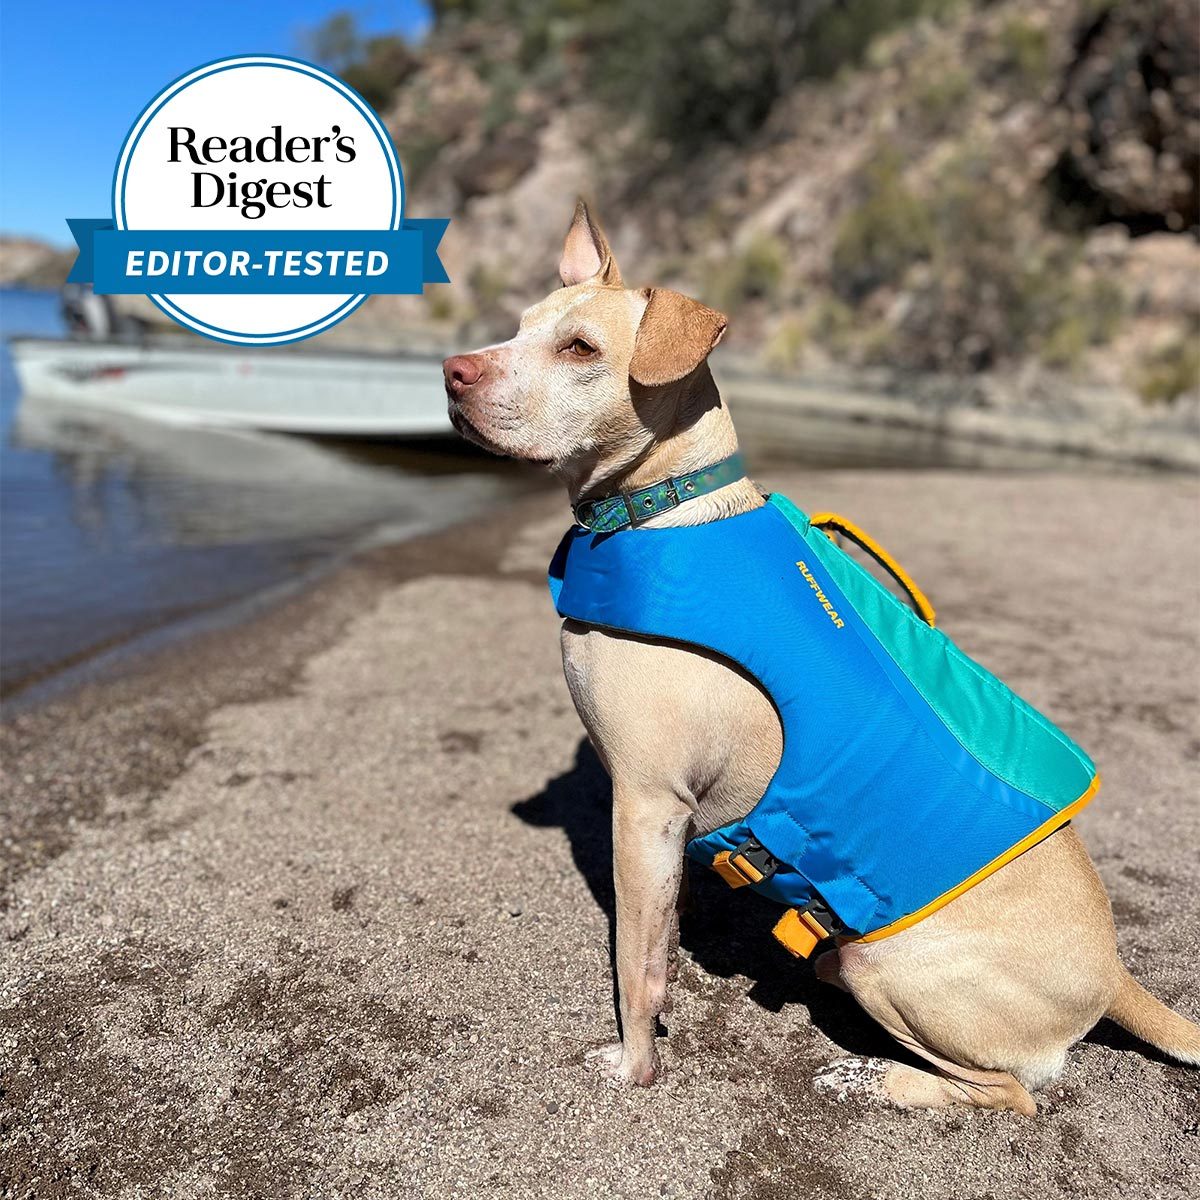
(462, 371)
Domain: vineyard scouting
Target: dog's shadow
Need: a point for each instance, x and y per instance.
(725, 934)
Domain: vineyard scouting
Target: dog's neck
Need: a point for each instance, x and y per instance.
(694, 430)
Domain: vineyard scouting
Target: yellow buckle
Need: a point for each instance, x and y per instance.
(736, 869)
(799, 932)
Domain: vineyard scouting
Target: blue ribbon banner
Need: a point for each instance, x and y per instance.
(258, 261)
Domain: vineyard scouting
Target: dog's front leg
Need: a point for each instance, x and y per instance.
(648, 838)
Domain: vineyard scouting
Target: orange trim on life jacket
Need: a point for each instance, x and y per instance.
(1042, 832)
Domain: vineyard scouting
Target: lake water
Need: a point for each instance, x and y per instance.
(112, 527)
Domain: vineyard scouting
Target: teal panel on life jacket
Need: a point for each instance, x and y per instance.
(1020, 746)
(907, 769)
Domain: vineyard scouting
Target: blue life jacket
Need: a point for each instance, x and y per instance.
(908, 773)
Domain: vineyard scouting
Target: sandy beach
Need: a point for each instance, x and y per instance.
(320, 905)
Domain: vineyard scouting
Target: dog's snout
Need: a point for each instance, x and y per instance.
(462, 370)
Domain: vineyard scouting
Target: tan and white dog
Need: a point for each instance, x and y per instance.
(610, 388)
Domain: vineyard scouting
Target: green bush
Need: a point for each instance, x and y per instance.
(886, 234)
(754, 274)
(1090, 314)
(1105, 306)
(1172, 370)
(373, 66)
(1025, 51)
(440, 303)
(501, 109)
(420, 153)
(941, 97)
(1065, 344)
(388, 62)
(488, 282)
(832, 323)
(878, 344)
(786, 348)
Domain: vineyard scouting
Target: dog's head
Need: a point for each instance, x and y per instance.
(589, 377)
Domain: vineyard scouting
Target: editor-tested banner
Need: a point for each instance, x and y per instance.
(257, 262)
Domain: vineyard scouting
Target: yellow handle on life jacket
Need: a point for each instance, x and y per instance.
(828, 521)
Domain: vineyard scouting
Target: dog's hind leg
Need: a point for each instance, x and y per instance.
(943, 1035)
(907, 1086)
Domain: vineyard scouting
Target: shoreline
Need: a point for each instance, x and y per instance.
(927, 420)
(106, 660)
(251, 649)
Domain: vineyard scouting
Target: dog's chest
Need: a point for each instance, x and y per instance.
(673, 718)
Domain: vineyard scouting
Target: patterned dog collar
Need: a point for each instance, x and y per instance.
(628, 510)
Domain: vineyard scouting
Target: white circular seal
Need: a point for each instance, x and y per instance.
(249, 133)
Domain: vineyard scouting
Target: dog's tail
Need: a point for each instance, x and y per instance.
(1147, 1017)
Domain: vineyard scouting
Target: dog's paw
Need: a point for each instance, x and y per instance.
(860, 1078)
(616, 1067)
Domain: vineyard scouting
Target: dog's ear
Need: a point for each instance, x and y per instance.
(586, 254)
(676, 335)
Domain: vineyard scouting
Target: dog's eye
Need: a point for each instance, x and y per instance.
(581, 349)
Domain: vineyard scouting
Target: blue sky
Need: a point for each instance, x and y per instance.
(74, 76)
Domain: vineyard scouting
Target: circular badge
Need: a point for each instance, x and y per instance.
(258, 143)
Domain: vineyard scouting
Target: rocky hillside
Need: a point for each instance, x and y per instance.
(1005, 186)
(27, 262)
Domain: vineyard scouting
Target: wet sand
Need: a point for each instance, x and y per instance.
(321, 905)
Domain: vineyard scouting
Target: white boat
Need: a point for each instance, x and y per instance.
(185, 383)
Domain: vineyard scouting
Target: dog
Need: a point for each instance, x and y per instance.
(609, 387)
